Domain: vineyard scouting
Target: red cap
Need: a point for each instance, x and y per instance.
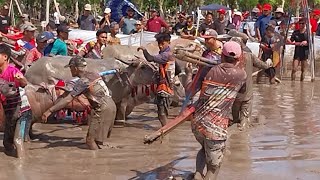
(267, 7)
(316, 12)
(221, 11)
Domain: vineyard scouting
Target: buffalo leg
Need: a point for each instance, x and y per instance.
(121, 112)
(162, 105)
(19, 136)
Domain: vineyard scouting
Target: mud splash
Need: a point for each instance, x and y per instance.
(284, 144)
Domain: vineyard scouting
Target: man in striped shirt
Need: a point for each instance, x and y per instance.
(219, 88)
(16, 107)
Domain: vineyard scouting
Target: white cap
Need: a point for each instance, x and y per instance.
(107, 11)
(87, 7)
(256, 10)
(238, 13)
(279, 10)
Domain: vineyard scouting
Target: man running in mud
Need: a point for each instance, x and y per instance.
(166, 62)
(219, 87)
(93, 87)
(94, 49)
(242, 106)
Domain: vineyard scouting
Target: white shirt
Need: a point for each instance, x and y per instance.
(249, 26)
(56, 18)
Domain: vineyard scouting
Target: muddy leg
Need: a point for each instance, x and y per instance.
(259, 76)
(28, 126)
(200, 164)
(19, 136)
(121, 112)
(295, 64)
(303, 66)
(214, 154)
(236, 112)
(162, 109)
(9, 130)
(92, 131)
(245, 113)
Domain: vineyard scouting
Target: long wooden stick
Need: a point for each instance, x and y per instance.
(172, 124)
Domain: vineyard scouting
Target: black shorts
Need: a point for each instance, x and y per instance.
(300, 54)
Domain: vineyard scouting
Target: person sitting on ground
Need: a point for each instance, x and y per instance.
(5, 21)
(106, 20)
(60, 46)
(127, 24)
(189, 32)
(94, 49)
(138, 29)
(299, 38)
(114, 30)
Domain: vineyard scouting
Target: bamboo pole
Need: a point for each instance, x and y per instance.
(18, 7)
(56, 6)
(47, 10)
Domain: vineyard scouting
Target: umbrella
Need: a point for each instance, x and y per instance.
(119, 8)
(213, 7)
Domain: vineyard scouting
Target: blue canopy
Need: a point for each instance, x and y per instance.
(213, 7)
(119, 9)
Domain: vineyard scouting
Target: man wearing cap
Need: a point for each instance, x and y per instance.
(60, 46)
(27, 42)
(255, 13)
(218, 89)
(180, 25)
(94, 49)
(105, 21)
(94, 88)
(5, 21)
(263, 21)
(279, 15)
(37, 52)
(208, 24)
(242, 106)
(214, 47)
(23, 20)
(139, 28)
(127, 24)
(166, 62)
(155, 23)
(221, 23)
(87, 21)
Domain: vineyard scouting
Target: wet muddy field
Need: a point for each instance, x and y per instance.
(282, 144)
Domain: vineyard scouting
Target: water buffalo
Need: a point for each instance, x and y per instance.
(47, 71)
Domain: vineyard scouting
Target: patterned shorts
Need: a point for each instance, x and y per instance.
(214, 149)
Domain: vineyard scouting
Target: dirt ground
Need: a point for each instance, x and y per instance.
(284, 144)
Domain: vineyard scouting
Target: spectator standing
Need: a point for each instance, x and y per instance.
(59, 45)
(114, 30)
(36, 53)
(189, 32)
(255, 14)
(180, 25)
(263, 21)
(314, 22)
(28, 41)
(94, 49)
(221, 23)
(5, 21)
(105, 21)
(208, 24)
(236, 20)
(87, 21)
(127, 24)
(138, 28)
(279, 16)
(155, 23)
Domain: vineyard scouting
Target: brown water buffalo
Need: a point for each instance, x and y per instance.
(48, 71)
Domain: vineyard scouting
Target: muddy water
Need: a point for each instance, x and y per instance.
(284, 144)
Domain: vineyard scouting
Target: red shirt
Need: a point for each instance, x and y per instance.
(314, 25)
(155, 24)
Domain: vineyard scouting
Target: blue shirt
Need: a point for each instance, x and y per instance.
(262, 24)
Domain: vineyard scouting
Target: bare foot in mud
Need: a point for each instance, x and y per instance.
(92, 145)
(119, 123)
(107, 146)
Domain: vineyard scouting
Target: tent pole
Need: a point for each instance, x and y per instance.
(47, 10)
(198, 20)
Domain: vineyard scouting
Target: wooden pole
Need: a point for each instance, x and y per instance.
(18, 7)
(57, 7)
(198, 20)
(47, 10)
